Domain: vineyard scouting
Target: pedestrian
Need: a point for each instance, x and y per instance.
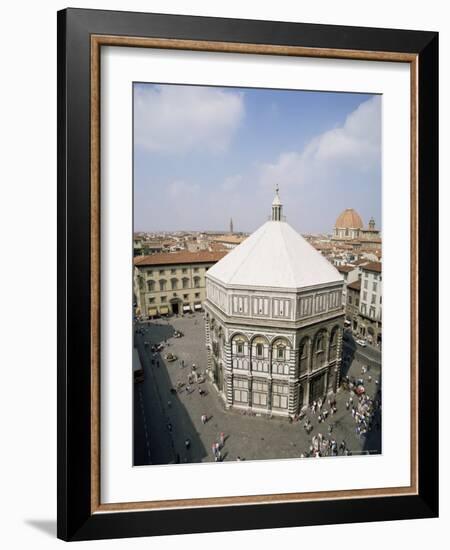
(222, 439)
(157, 364)
(169, 404)
(169, 426)
(347, 405)
(203, 418)
(238, 458)
(188, 388)
(187, 443)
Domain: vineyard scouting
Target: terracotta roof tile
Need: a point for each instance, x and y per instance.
(345, 268)
(182, 257)
(356, 285)
(372, 266)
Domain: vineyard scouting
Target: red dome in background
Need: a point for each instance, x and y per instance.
(349, 219)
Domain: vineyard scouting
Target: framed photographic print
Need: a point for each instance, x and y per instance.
(247, 274)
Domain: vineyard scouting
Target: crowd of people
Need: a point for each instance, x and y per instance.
(365, 412)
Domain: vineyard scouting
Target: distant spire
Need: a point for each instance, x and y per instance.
(231, 225)
(277, 206)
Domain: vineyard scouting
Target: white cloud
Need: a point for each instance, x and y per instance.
(178, 119)
(355, 146)
(182, 190)
(232, 183)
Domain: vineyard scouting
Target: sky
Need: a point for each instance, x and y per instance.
(203, 155)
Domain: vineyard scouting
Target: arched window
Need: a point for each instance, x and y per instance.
(319, 350)
(280, 357)
(239, 351)
(151, 286)
(260, 354)
(333, 344)
(174, 283)
(197, 282)
(185, 282)
(304, 355)
(162, 284)
(280, 352)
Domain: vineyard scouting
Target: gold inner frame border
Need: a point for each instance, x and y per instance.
(97, 41)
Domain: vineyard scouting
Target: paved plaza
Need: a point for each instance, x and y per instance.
(168, 410)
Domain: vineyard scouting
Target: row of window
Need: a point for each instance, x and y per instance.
(280, 393)
(373, 298)
(152, 272)
(376, 276)
(162, 284)
(261, 366)
(164, 298)
(280, 352)
(372, 311)
(350, 300)
(374, 285)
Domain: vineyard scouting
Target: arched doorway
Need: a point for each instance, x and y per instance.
(176, 306)
(317, 387)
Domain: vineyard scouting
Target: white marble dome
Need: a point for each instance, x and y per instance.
(274, 256)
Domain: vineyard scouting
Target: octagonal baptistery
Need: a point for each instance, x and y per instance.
(274, 321)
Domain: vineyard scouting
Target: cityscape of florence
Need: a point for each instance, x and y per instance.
(257, 284)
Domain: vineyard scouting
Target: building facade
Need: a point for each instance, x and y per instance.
(352, 305)
(370, 304)
(364, 303)
(171, 283)
(274, 321)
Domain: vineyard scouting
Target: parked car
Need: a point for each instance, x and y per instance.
(171, 357)
(362, 343)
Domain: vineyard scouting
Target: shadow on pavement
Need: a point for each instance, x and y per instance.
(373, 437)
(161, 423)
(348, 353)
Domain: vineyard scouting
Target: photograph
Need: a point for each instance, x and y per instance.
(257, 274)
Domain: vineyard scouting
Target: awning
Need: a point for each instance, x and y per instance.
(186, 308)
(164, 310)
(197, 306)
(152, 311)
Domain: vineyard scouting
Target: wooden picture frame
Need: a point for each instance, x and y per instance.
(81, 35)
